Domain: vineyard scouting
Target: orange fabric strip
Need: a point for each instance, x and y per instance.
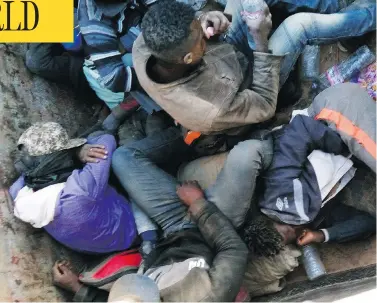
(345, 125)
(191, 136)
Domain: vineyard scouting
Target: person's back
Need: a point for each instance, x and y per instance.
(79, 208)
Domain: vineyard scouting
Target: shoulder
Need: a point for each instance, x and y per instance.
(140, 49)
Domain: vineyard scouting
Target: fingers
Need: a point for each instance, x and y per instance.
(216, 20)
(55, 270)
(95, 153)
(103, 147)
(216, 24)
(204, 28)
(304, 238)
(98, 153)
(303, 241)
(224, 24)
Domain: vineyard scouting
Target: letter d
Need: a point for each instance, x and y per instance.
(36, 11)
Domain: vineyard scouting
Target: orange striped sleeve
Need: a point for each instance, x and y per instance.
(346, 126)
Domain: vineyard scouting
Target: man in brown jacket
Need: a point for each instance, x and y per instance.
(207, 86)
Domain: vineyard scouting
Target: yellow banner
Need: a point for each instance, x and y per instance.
(36, 21)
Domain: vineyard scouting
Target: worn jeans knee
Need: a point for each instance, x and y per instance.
(253, 153)
(235, 185)
(121, 157)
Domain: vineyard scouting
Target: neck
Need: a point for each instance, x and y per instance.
(172, 71)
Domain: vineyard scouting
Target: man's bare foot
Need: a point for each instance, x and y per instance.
(64, 277)
(310, 236)
(189, 192)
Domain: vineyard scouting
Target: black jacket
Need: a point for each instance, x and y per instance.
(292, 194)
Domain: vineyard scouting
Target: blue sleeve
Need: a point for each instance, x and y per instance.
(16, 187)
(93, 179)
(299, 139)
(102, 46)
(348, 224)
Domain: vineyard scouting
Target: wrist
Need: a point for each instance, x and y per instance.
(77, 153)
(261, 45)
(76, 287)
(196, 206)
(324, 235)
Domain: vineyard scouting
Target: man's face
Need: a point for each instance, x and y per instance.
(288, 232)
(200, 44)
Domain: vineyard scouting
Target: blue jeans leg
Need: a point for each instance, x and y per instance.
(314, 6)
(154, 190)
(143, 222)
(303, 28)
(307, 28)
(297, 6)
(150, 187)
(235, 185)
(238, 33)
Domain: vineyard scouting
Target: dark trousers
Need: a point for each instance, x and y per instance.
(52, 62)
(344, 223)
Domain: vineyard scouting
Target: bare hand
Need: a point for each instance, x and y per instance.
(189, 192)
(92, 153)
(309, 236)
(64, 277)
(259, 24)
(214, 23)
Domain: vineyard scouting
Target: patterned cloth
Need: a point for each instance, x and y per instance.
(45, 138)
(367, 79)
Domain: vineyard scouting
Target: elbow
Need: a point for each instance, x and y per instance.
(271, 111)
(33, 64)
(268, 111)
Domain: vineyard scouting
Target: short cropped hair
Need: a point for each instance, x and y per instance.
(261, 237)
(167, 25)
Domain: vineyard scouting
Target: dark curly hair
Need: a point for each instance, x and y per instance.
(167, 25)
(261, 237)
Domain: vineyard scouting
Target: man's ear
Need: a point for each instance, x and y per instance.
(187, 59)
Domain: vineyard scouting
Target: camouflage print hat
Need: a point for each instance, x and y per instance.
(45, 138)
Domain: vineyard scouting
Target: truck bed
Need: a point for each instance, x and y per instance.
(27, 254)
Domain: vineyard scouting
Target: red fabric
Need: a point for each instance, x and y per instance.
(117, 262)
(129, 104)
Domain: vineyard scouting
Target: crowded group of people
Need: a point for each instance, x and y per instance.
(187, 167)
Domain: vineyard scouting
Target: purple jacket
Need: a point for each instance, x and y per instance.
(90, 215)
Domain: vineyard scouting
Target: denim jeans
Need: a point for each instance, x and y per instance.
(154, 190)
(296, 6)
(142, 221)
(302, 29)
